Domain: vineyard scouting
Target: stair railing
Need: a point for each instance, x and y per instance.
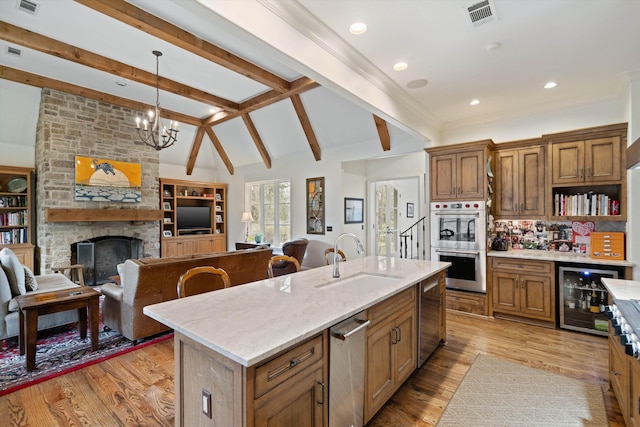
(413, 240)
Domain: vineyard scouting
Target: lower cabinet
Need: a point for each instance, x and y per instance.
(624, 379)
(191, 245)
(291, 389)
(391, 354)
(523, 288)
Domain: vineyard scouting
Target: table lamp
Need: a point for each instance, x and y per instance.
(246, 218)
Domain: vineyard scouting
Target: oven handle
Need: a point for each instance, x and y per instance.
(458, 213)
(445, 251)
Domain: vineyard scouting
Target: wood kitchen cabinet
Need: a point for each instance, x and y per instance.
(588, 164)
(520, 180)
(619, 373)
(391, 354)
(593, 160)
(291, 389)
(634, 392)
(523, 288)
(460, 172)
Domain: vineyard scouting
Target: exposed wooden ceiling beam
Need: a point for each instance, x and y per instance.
(30, 79)
(138, 18)
(26, 38)
(306, 126)
(383, 133)
(195, 149)
(218, 146)
(298, 86)
(257, 140)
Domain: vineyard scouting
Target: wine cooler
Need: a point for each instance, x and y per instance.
(582, 297)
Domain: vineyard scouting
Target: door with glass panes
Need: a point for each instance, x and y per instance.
(386, 220)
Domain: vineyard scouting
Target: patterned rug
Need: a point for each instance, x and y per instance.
(495, 392)
(59, 351)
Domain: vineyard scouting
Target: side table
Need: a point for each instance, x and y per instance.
(82, 298)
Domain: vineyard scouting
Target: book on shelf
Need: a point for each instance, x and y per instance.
(14, 236)
(588, 204)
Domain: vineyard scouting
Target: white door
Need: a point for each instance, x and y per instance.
(386, 220)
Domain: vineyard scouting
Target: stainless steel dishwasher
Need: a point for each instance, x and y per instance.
(429, 325)
(346, 367)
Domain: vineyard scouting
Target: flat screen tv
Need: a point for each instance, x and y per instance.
(193, 217)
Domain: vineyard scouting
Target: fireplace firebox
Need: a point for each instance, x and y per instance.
(100, 256)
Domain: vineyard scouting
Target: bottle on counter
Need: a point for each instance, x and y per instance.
(594, 304)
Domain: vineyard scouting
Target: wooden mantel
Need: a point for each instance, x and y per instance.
(100, 215)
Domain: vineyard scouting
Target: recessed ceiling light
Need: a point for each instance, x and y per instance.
(400, 66)
(550, 85)
(492, 46)
(474, 102)
(358, 28)
(417, 84)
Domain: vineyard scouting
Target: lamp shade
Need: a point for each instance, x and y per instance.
(246, 217)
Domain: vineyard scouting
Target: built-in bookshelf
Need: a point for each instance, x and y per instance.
(16, 213)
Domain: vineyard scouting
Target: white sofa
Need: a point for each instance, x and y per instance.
(16, 279)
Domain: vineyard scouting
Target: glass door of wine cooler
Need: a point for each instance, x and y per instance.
(582, 298)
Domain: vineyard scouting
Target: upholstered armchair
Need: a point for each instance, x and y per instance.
(294, 248)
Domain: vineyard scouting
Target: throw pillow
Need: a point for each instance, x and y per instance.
(5, 290)
(14, 271)
(30, 282)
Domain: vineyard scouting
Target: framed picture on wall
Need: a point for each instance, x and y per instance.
(409, 210)
(353, 210)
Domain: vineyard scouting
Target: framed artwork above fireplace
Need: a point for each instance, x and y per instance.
(103, 180)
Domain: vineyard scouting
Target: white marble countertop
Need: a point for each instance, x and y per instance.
(622, 289)
(534, 254)
(249, 323)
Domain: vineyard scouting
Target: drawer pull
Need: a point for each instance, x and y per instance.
(294, 363)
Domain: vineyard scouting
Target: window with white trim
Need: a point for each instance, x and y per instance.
(270, 206)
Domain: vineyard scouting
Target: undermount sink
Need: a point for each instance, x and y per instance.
(359, 283)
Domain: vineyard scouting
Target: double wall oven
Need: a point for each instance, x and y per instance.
(459, 236)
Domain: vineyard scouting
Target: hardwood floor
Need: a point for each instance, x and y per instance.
(136, 389)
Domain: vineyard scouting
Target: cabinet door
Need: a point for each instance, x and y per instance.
(470, 176)
(568, 162)
(405, 350)
(506, 292)
(507, 183)
(535, 297)
(531, 189)
(379, 371)
(602, 159)
(618, 373)
(296, 402)
(443, 177)
(169, 248)
(634, 392)
(205, 245)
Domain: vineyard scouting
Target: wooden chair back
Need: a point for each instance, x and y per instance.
(328, 255)
(279, 258)
(198, 280)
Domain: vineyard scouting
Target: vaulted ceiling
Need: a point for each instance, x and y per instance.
(286, 76)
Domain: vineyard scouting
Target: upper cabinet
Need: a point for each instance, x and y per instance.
(520, 180)
(460, 172)
(588, 178)
(593, 160)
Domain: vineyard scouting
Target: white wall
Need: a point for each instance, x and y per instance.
(633, 179)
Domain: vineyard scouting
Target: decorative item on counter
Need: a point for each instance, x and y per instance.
(500, 243)
(563, 246)
(581, 232)
(258, 237)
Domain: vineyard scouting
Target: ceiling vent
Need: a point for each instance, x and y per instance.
(28, 6)
(481, 13)
(14, 51)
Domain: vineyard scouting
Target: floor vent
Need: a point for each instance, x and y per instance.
(28, 6)
(14, 51)
(481, 13)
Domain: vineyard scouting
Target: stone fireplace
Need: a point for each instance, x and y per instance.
(70, 125)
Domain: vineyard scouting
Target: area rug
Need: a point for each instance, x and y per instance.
(59, 351)
(495, 392)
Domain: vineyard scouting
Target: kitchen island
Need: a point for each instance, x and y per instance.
(243, 351)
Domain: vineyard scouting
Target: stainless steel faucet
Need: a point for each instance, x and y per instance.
(336, 256)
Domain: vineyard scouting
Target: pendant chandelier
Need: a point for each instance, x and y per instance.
(153, 132)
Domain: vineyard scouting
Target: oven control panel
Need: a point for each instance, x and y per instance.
(474, 206)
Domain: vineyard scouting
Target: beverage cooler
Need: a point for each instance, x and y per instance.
(582, 296)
